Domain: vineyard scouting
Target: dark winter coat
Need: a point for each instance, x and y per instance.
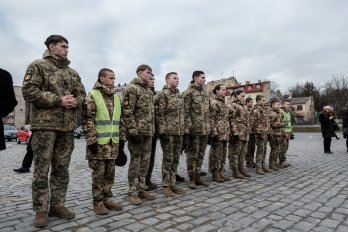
(327, 128)
(7, 101)
(345, 125)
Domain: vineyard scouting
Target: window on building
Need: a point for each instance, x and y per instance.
(258, 86)
(299, 107)
(249, 87)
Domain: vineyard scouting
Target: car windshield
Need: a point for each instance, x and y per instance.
(9, 127)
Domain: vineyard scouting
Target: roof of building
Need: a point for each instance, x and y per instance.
(298, 100)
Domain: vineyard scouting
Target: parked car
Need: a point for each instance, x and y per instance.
(24, 134)
(78, 132)
(10, 132)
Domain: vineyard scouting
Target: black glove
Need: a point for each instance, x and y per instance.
(186, 142)
(214, 138)
(164, 137)
(210, 139)
(93, 148)
(121, 159)
(192, 136)
(135, 139)
(292, 136)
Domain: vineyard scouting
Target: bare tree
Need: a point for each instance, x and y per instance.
(336, 93)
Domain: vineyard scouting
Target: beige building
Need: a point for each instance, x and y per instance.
(228, 82)
(17, 117)
(303, 108)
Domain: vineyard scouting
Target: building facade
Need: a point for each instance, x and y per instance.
(253, 89)
(303, 110)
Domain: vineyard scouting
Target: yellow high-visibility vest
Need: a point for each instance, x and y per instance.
(107, 128)
(287, 121)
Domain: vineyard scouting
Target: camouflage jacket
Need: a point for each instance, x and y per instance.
(138, 112)
(239, 119)
(169, 108)
(219, 113)
(260, 121)
(196, 105)
(106, 151)
(276, 124)
(45, 82)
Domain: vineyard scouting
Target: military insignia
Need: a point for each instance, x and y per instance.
(156, 107)
(28, 75)
(125, 103)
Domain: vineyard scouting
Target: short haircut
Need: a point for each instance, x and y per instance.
(273, 101)
(143, 67)
(259, 98)
(103, 72)
(286, 100)
(197, 74)
(54, 39)
(170, 73)
(217, 87)
(248, 99)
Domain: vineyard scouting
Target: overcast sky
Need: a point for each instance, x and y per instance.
(285, 41)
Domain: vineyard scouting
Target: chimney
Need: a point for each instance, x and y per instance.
(247, 82)
(290, 93)
(259, 81)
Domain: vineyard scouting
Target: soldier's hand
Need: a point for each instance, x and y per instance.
(93, 148)
(214, 138)
(68, 101)
(135, 139)
(165, 137)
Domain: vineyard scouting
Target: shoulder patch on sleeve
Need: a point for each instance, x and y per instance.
(28, 75)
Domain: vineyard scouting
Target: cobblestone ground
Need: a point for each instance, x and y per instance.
(311, 195)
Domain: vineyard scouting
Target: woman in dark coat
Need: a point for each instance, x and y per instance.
(345, 128)
(7, 102)
(326, 120)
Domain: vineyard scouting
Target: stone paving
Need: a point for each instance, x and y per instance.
(311, 195)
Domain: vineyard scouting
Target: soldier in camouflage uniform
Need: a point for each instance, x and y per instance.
(169, 109)
(197, 127)
(149, 185)
(55, 90)
(276, 134)
(249, 158)
(260, 129)
(102, 143)
(138, 116)
(288, 133)
(239, 119)
(220, 133)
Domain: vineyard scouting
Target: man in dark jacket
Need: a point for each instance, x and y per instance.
(7, 101)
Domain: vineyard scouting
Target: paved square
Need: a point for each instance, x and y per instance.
(311, 195)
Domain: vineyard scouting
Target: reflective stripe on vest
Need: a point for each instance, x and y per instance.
(286, 120)
(106, 128)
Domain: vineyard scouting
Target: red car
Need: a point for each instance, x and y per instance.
(23, 134)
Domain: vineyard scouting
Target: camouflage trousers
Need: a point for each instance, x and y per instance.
(284, 148)
(195, 155)
(152, 160)
(103, 175)
(139, 164)
(52, 149)
(236, 152)
(261, 144)
(275, 151)
(249, 157)
(217, 156)
(170, 162)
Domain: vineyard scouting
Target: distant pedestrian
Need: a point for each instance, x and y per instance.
(345, 127)
(7, 101)
(326, 120)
